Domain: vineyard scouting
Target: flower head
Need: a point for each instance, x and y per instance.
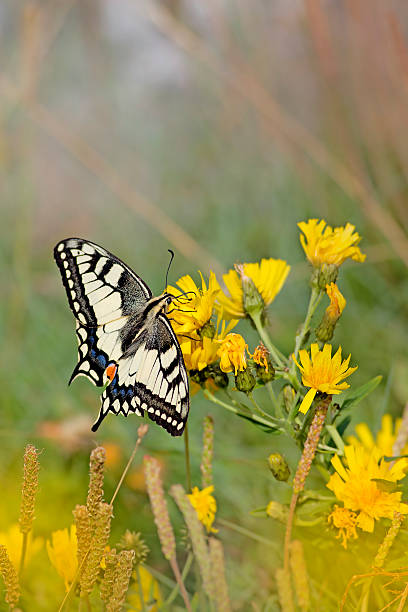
(345, 521)
(196, 314)
(205, 505)
(337, 302)
(261, 355)
(62, 552)
(360, 483)
(198, 354)
(384, 439)
(325, 245)
(322, 372)
(265, 279)
(325, 330)
(232, 353)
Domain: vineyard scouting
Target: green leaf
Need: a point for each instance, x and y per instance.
(388, 486)
(266, 428)
(394, 457)
(354, 396)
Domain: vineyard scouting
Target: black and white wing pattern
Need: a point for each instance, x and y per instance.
(125, 341)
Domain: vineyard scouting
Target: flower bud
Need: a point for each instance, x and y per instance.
(265, 375)
(325, 330)
(323, 276)
(245, 381)
(252, 300)
(279, 467)
(288, 394)
(207, 331)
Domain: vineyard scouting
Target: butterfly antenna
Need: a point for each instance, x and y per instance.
(168, 267)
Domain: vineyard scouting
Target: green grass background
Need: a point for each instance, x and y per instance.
(112, 131)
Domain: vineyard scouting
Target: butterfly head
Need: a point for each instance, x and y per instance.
(167, 300)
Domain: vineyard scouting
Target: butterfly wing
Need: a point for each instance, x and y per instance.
(151, 377)
(102, 292)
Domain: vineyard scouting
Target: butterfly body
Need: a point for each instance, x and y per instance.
(125, 341)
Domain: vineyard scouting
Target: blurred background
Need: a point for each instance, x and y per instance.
(212, 129)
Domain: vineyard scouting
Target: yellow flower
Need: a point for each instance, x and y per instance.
(337, 302)
(205, 505)
(322, 373)
(198, 354)
(232, 353)
(267, 276)
(345, 521)
(12, 539)
(63, 553)
(325, 245)
(190, 317)
(384, 440)
(150, 590)
(365, 483)
(261, 355)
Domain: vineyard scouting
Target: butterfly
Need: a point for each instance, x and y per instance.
(125, 340)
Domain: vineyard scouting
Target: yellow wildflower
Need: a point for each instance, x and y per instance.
(360, 482)
(337, 302)
(322, 372)
(345, 521)
(232, 353)
(191, 317)
(384, 439)
(261, 355)
(198, 354)
(205, 505)
(12, 539)
(268, 277)
(325, 245)
(148, 588)
(63, 553)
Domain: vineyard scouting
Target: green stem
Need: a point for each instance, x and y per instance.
(336, 437)
(247, 533)
(23, 552)
(275, 402)
(315, 297)
(269, 423)
(187, 458)
(184, 574)
(257, 408)
(263, 334)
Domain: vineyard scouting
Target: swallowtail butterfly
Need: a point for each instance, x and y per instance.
(125, 341)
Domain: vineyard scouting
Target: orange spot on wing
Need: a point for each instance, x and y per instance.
(111, 371)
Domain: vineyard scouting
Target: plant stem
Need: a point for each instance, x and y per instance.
(125, 471)
(257, 408)
(275, 402)
(23, 552)
(184, 574)
(303, 468)
(177, 575)
(336, 437)
(187, 458)
(256, 318)
(315, 297)
(269, 423)
(247, 533)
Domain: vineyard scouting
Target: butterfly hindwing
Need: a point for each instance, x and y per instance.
(102, 292)
(151, 377)
(124, 339)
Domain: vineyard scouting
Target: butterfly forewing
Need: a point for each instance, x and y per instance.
(124, 339)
